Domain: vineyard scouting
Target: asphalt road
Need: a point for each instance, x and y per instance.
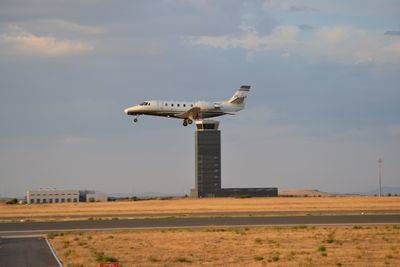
(16, 228)
(22, 252)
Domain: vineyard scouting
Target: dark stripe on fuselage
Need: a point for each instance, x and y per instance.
(177, 114)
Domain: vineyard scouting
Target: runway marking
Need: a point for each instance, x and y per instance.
(54, 253)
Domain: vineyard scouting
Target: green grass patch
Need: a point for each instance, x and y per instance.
(67, 253)
(101, 257)
(182, 260)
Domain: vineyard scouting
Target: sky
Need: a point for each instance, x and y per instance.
(323, 107)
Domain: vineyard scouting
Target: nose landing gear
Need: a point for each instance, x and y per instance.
(135, 120)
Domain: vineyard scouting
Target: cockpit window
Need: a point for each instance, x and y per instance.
(144, 104)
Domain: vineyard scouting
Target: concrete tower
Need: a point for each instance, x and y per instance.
(207, 159)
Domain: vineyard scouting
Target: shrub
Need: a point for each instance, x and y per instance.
(322, 248)
(12, 201)
(324, 254)
(52, 235)
(67, 253)
(66, 243)
(153, 259)
(183, 259)
(243, 196)
(258, 258)
(258, 240)
(215, 230)
(101, 257)
(275, 258)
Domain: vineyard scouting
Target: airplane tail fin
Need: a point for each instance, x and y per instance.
(239, 98)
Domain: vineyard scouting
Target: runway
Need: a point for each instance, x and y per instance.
(27, 251)
(16, 228)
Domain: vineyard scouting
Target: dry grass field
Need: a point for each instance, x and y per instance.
(275, 246)
(269, 206)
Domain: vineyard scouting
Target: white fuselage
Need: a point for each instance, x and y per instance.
(178, 109)
(190, 111)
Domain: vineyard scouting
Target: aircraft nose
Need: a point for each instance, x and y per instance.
(130, 110)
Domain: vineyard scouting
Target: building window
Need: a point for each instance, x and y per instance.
(50, 200)
(37, 201)
(68, 200)
(63, 200)
(44, 200)
(56, 200)
(75, 200)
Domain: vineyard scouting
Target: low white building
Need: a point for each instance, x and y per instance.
(51, 196)
(63, 196)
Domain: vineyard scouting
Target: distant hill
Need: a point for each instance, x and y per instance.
(385, 190)
(303, 192)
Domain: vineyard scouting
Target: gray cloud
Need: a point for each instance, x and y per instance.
(301, 9)
(306, 27)
(393, 33)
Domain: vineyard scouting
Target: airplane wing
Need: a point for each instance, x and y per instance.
(193, 113)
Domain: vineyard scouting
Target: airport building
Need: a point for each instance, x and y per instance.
(208, 166)
(92, 196)
(63, 196)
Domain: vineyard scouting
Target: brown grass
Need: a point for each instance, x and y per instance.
(290, 205)
(279, 246)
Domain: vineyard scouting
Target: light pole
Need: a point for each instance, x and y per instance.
(380, 167)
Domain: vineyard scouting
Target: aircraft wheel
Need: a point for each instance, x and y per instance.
(185, 123)
(190, 121)
(135, 120)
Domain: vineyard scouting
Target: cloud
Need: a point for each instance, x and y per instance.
(300, 9)
(306, 27)
(394, 33)
(26, 43)
(339, 44)
(58, 25)
(286, 5)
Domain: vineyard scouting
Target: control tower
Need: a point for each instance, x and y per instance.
(207, 159)
(208, 166)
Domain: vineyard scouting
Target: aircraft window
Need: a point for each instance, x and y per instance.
(166, 104)
(184, 105)
(178, 105)
(191, 105)
(143, 104)
(148, 103)
(172, 105)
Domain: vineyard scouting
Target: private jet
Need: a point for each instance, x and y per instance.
(190, 111)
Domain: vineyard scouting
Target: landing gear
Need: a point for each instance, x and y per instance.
(135, 120)
(190, 121)
(185, 123)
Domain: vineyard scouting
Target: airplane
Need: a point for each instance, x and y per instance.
(191, 111)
